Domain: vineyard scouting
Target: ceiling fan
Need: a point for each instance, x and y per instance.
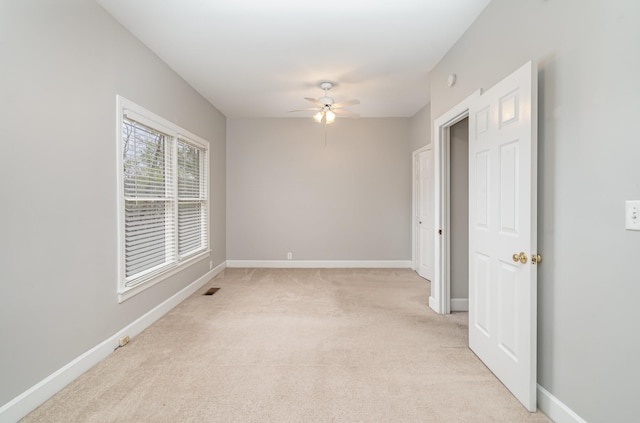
(327, 108)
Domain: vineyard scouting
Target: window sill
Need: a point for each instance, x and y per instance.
(128, 292)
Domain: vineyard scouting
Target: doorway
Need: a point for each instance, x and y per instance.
(459, 214)
(441, 289)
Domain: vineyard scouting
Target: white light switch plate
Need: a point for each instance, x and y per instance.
(632, 215)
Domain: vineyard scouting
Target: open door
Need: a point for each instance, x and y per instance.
(502, 231)
(424, 212)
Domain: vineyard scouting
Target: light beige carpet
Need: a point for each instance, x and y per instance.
(295, 345)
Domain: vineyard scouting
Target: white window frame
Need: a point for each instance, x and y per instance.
(128, 287)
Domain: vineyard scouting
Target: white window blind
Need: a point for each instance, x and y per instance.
(148, 200)
(164, 207)
(192, 204)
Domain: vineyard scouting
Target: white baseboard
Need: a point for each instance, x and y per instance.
(433, 304)
(555, 409)
(26, 402)
(459, 304)
(324, 264)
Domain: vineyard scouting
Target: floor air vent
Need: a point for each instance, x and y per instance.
(211, 291)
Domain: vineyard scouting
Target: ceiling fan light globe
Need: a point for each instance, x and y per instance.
(330, 116)
(318, 117)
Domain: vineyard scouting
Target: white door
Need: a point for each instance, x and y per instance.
(425, 213)
(502, 225)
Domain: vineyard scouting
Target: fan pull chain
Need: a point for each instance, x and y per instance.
(325, 134)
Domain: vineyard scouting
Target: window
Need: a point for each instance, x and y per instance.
(164, 203)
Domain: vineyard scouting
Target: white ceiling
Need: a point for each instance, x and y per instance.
(259, 58)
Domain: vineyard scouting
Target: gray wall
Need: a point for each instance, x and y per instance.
(348, 200)
(589, 62)
(420, 128)
(459, 209)
(62, 64)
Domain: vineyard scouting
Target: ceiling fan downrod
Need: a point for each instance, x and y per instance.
(328, 101)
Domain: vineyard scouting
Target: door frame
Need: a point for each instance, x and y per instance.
(440, 298)
(415, 229)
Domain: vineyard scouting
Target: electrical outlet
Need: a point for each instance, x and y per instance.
(124, 340)
(289, 256)
(211, 265)
(632, 215)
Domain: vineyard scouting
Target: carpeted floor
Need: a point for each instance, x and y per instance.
(295, 345)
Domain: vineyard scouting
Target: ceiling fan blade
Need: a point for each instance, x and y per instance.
(314, 101)
(313, 109)
(345, 113)
(346, 103)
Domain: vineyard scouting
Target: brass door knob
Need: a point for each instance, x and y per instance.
(522, 258)
(536, 258)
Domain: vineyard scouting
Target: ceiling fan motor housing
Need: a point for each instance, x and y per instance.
(327, 101)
